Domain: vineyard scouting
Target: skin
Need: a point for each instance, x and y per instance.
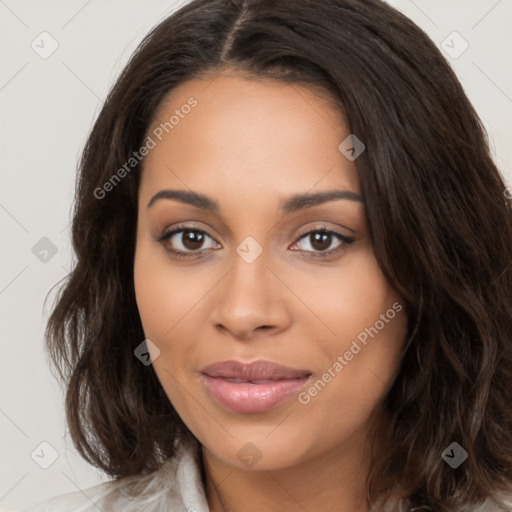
(249, 144)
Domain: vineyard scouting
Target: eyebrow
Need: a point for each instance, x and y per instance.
(291, 204)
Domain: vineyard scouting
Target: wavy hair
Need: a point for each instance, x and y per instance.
(438, 215)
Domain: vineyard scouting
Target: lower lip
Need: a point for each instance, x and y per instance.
(249, 397)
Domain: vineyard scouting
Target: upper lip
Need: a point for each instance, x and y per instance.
(257, 370)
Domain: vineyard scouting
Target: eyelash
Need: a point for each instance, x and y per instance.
(346, 241)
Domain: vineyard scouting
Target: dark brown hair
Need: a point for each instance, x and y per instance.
(439, 219)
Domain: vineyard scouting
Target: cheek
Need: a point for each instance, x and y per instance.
(362, 322)
(150, 291)
(165, 293)
(164, 298)
(172, 307)
(349, 299)
(165, 315)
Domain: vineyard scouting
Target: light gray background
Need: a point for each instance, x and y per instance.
(47, 108)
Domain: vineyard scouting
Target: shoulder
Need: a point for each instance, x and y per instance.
(490, 505)
(176, 485)
(78, 501)
(125, 495)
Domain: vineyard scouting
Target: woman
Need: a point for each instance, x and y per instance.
(293, 282)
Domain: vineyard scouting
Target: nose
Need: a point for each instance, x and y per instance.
(251, 301)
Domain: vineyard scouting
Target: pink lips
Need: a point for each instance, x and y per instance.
(254, 387)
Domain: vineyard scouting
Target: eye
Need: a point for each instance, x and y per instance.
(320, 240)
(185, 241)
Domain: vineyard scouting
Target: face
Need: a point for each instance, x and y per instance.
(236, 268)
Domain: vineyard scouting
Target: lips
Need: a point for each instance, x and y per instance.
(255, 371)
(253, 387)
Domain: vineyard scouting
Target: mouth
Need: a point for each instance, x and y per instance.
(253, 387)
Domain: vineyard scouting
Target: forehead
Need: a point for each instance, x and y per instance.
(249, 136)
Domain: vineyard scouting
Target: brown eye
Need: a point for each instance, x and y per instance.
(185, 241)
(321, 241)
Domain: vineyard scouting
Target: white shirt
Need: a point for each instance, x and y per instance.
(176, 487)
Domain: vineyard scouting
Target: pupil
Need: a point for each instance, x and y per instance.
(192, 239)
(321, 241)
